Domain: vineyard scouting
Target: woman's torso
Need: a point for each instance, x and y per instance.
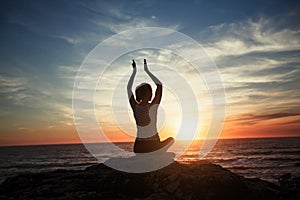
(146, 117)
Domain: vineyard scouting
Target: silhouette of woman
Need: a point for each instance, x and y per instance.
(145, 113)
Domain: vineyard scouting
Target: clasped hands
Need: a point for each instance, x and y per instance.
(145, 65)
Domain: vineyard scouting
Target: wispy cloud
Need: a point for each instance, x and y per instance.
(113, 10)
(70, 40)
(251, 119)
(259, 65)
(13, 88)
(134, 22)
(249, 36)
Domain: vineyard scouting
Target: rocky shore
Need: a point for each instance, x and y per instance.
(177, 181)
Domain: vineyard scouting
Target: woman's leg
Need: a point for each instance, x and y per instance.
(144, 146)
(167, 143)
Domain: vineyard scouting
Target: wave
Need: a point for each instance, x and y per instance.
(261, 158)
(271, 152)
(46, 165)
(255, 167)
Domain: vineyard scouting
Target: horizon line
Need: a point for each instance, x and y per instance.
(76, 143)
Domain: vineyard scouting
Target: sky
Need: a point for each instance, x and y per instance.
(254, 44)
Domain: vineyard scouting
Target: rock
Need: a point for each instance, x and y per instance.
(172, 186)
(176, 181)
(172, 177)
(289, 187)
(286, 176)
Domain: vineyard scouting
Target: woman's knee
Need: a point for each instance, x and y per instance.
(170, 140)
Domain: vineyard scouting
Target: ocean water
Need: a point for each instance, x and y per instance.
(267, 158)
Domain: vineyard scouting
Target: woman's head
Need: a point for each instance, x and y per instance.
(143, 92)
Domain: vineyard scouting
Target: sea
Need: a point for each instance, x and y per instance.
(264, 158)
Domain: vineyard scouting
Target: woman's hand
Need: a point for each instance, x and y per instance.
(145, 66)
(133, 64)
(129, 86)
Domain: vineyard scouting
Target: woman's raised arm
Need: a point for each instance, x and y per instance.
(129, 86)
(158, 92)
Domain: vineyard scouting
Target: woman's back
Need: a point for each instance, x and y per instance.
(146, 118)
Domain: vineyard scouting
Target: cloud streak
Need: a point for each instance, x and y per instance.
(251, 119)
(250, 36)
(259, 65)
(13, 88)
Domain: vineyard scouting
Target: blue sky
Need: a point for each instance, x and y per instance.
(255, 44)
